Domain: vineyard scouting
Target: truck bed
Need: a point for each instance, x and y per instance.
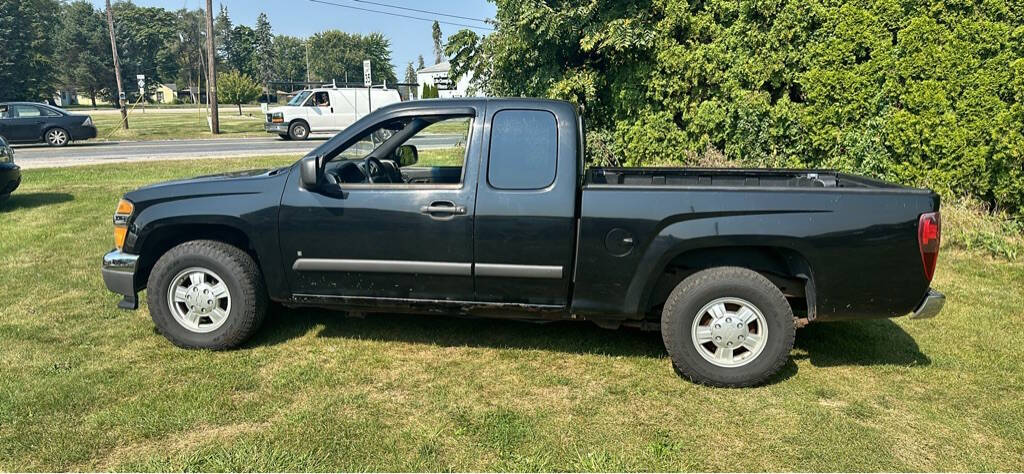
(731, 177)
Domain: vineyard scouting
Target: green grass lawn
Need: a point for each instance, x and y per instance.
(163, 125)
(84, 386)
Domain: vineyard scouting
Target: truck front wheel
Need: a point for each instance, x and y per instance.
(727, 327)
(205, 294)
(298, 130)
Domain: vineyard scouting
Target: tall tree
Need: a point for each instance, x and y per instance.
(289, 58)
(438, 41)
(83, 50)
(27, 70)
(242, 50)
(419, 63)
(333, 53)
(146, 38)
(223, 30)
(410, 78)
(263, 50)
(190, 50)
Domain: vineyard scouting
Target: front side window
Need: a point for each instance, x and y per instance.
(411, 150)
(320, 99)
(299, 99)
(524, 150)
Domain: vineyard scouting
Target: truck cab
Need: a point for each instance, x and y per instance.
(482, 207)
(325, 110)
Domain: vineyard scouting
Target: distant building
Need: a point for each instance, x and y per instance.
(165, 93)
(437, 75)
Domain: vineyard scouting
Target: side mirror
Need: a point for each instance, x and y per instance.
(407, 155)
(310, 173)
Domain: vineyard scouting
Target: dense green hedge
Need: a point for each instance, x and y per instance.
(920, 92)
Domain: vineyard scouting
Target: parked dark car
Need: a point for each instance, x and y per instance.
(505, 222)
(10, 173)
(29, 122)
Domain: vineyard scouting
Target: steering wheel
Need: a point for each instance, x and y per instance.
(373, 167)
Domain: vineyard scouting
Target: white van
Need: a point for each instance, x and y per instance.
(325, 110)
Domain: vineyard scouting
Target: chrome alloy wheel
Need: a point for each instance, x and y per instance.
(729, 332)
(199, 299)
(57, 136)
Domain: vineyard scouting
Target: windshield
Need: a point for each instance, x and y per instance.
(299, 99)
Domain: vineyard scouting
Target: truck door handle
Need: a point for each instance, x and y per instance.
(442, 210)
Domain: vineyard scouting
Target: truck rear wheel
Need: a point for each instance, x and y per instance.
(727, 327)
(205, 294)
(298, 130)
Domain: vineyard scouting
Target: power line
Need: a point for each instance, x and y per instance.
(402, 15)
(420, 11)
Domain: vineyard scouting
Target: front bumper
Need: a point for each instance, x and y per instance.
(275, 127)
(931, 305)
(119, 276)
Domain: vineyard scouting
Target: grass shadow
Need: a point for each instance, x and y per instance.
(32, 200)
(447, 331)
(858, 343)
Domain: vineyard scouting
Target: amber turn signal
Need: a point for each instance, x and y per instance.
(119, 234)
(125, 207)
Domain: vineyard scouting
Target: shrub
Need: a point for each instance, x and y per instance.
(923, 93)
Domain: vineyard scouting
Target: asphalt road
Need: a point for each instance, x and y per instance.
(93, 152)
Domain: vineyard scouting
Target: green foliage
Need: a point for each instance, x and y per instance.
(333, 53)
(27, 68)
(410, 78)
(83, 50)
(289, 58)
(146, 40)
(923, 93)
(435, 34)
(236, 88)
(263, 50)
(429, 92)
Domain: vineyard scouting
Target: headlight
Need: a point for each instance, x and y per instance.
(87, 122)
(277, 117)
(6, 154)
(121, 214)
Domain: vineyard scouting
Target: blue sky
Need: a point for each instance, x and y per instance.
(409, 38)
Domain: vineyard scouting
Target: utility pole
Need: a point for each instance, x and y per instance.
(211, 79)
(307, 61)
(117, 67)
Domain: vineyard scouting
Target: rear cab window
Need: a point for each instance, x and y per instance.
(523, 150)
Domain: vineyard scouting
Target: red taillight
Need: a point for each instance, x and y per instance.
(929, 230)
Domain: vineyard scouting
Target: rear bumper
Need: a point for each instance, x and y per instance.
(119, 276)
(83, 132)
(931, 305)
(10, 178)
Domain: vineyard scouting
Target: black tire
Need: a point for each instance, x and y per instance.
(704, 287)
(239, 273)
(57, 136)
(298, 130)
(284, 136)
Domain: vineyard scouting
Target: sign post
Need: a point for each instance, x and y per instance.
(368, 82)
(142, 89)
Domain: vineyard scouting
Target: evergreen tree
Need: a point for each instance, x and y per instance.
(438, 50)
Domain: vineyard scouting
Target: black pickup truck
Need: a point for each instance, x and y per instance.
(483, 207)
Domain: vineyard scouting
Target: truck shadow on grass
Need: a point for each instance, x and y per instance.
(30, 200)
(857, 343)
